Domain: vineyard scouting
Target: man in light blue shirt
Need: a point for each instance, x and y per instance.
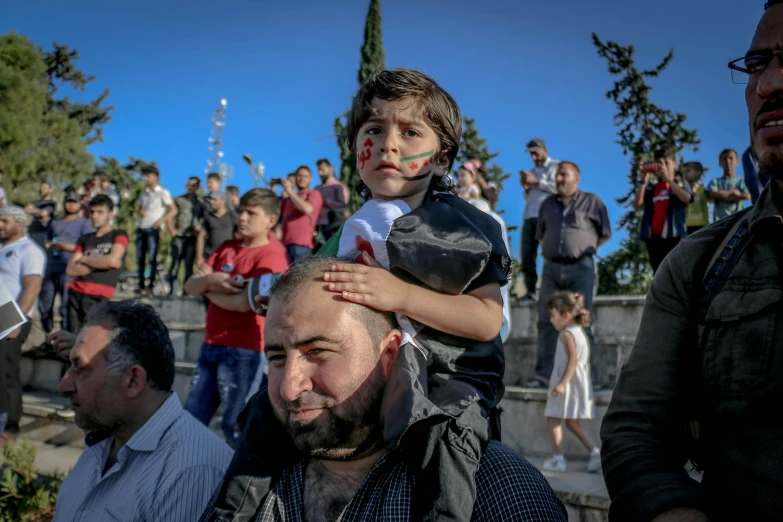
(539, 183)
(146, 459)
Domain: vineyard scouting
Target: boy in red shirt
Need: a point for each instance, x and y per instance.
(233, 341)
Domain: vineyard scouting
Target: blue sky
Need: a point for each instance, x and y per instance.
(522, 69)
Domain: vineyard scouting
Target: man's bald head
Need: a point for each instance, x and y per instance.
(311, 271)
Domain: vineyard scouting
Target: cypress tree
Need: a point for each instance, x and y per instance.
(644, 127)
(372, 59)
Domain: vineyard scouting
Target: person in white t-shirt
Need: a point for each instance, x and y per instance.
(22, 266)
(156, 207)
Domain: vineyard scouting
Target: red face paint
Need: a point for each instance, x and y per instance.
(366, 153)
(414, 166)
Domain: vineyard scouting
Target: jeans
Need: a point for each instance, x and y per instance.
(297, 252)
(658, 248)
(577, 277)
(182, 248)
(53, 283)
(147, 240)
(10, 377)
(530, 254)
(223, 376)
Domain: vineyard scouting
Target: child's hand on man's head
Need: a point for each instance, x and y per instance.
(369, 284)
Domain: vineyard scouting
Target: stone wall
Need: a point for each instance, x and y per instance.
(615, 323)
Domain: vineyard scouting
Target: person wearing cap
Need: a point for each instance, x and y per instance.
(184, 228)
(218, 226)
(22, 266)
(539, 183)
(697, 215)
(61, 239)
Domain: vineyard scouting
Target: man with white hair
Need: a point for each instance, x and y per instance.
(22, 264)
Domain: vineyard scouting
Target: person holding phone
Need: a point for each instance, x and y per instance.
(664, 195)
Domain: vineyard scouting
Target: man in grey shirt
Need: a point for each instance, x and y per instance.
(571, 226)
(146, 457)
(539, 184)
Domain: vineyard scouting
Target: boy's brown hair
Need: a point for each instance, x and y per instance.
(262, 198)
(440, 110)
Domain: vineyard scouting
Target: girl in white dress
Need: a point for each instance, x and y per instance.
(571, 390)
(468, 185)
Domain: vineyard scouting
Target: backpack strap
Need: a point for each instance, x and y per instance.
(718, 271)
(723, 262)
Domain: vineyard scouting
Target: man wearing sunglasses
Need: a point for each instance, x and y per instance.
(704, 378)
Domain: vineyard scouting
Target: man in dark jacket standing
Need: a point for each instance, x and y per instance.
(703, 380)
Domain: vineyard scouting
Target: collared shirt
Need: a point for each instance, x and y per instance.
(508, 488)
(21, 258)
(571, 231)
(167, 471)
(298, 227)
(155, 203)
(547, 185)
(720, 366)
(334, 195)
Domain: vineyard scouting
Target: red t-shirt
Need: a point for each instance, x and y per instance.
(246, 329)
(661, 194)
(298, 228)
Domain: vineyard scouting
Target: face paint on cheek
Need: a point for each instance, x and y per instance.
(366, 153)
(419, 177)
(418, 156)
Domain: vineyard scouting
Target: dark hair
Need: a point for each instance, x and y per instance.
(578, 170)
(213, 175)
(573, 303)
(138, 336)
(311, 269)
(232, 189)
(102, 199)
(666, 151)
(150, 169)
(323, 161)
(695, 165)
(300, 167)
(440, 110)
(261, 197)
(196, 179)
(771, 3)
(729, 150)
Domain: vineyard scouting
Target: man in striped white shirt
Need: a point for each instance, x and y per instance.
(147, 459)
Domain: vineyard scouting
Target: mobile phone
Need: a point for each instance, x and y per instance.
(275, 181)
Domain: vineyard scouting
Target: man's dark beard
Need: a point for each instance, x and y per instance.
(772, 163)
(342, 431)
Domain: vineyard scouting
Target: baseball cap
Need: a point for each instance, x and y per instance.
(72, 196)
(216, 194)
(536, 142)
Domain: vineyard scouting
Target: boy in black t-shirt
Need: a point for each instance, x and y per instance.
(95, 263)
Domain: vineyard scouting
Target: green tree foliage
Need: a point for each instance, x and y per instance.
(42, 134)
(644, 127)
(25, 495)
(474, 146)
(373, 58)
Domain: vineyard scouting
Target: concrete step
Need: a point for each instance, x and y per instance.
(583, 494)
(525, 429)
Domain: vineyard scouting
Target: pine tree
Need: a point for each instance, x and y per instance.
(373, 58)
(644, 127)
(474, 146)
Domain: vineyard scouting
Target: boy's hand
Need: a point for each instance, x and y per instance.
(223, 283)
(558, 390)
(370, 285)
(204, 269)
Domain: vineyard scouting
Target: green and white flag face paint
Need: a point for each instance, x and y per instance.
(11, 317)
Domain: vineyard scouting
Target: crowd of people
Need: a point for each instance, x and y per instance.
(375, 364)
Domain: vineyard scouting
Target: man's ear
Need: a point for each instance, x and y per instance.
(136, 381)
(390, 348)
